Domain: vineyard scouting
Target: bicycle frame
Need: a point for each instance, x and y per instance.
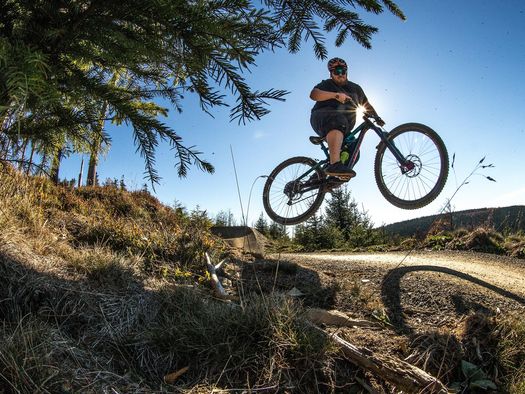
(360, 131)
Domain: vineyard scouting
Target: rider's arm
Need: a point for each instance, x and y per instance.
(322, 95)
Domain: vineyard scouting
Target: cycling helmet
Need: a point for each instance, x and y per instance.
(336, 61)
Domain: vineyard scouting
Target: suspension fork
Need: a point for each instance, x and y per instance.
(404, 164)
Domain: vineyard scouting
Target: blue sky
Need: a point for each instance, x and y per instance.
(457, 66)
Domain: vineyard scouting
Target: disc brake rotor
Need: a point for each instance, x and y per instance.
(413, 167)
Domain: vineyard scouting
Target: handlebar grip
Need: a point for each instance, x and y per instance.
(377, 118)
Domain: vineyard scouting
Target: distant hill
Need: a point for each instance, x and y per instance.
(507, 218)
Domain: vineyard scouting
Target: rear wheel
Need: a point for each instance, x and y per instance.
(420, 181)
(288, 200)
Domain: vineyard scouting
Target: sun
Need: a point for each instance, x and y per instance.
(359, 112)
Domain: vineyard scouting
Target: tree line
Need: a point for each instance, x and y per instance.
(341, 225)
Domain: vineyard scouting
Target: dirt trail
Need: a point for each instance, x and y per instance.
(503, 272)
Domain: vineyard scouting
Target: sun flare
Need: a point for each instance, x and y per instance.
(359, 112)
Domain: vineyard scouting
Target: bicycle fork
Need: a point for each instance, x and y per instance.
(405, 165)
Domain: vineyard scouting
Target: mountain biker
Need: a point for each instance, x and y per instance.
(334, 112)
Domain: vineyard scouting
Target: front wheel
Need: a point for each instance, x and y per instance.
(294, 191)
(422, 178)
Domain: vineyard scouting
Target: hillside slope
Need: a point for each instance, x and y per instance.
(105, 290)
(510, 219)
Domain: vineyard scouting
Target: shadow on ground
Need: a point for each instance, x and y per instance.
(283, 276)
(391, 294)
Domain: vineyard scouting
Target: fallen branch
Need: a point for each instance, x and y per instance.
(336, 318)
(403, 375)
(216, 284)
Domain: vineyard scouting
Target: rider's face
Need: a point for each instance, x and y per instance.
(339, 76)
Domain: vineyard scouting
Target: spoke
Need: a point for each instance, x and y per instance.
(417, 183)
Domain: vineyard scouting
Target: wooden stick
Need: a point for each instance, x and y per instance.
(336, 318)
(403, 375)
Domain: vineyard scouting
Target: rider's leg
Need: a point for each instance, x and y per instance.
(334, 138)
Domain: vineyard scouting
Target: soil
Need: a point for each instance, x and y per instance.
(417, 296)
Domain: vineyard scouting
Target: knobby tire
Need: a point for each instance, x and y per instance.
(438, 165)
(273, 204)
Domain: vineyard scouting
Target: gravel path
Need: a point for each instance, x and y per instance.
(503, 272)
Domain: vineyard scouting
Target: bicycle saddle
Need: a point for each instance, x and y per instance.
(316, 140)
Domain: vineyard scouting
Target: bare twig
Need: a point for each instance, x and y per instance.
(218, 288)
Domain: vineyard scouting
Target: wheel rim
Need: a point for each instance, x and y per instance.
(285, 195)
(416, 180)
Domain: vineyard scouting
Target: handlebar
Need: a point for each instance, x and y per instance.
(377, 118)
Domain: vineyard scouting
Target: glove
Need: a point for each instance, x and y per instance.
(380, 121)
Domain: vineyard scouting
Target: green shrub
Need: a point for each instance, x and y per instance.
(438, 241)
(481, 239)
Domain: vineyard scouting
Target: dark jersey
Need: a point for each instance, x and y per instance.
(350, 89)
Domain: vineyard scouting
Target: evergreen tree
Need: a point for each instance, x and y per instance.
(277, 231)
(341, 212)
(343, 215)
(122, 183)
(314, 234)
(58, 61)
(225, 218)
(261, 225)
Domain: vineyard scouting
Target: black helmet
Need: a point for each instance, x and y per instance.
(336, 61)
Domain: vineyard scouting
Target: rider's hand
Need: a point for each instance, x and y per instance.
(342, 98)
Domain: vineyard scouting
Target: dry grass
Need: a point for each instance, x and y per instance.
(438, 352)
(129, 223)
(100, 291)
(509, 338)
(481, 239)
(91, 301)
(137, 335)
(492, 343)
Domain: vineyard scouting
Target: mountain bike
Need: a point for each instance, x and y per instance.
(410, 168)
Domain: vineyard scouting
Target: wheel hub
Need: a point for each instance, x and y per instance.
(293, 191)
(413, 166)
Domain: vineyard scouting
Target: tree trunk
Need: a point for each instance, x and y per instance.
(92, 168)
(30, 162)
(81, 173)
(96, 144)
(23, 154)
(55, 165)
(43, 164)
(4, 147)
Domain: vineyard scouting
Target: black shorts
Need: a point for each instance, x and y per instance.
(323, 121)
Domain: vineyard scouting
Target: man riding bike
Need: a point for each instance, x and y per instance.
(334, 113)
